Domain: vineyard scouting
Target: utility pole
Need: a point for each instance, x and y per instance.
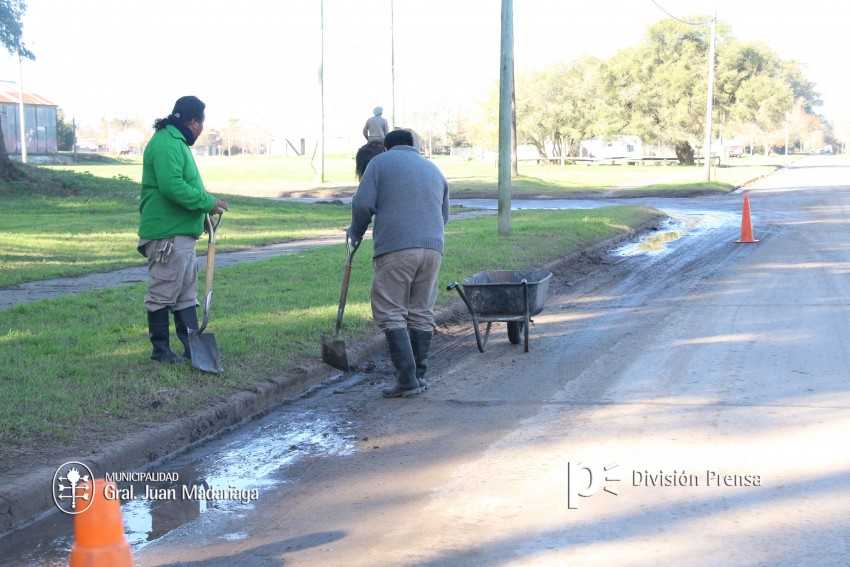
(514, 160)
(21, 106)
(505, 115)
(709, 105)
(322, 91)
(392, 62)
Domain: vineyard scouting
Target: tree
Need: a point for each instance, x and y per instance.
(556, 107)
(11, 35)
(64, 132)
(763, 102)
(657, 90)
(757, 92)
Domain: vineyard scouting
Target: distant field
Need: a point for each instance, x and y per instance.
(263, 176)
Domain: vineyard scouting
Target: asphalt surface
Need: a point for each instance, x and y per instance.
(705, 389)
(709, 378)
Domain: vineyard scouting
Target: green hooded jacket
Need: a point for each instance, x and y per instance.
(173, 200)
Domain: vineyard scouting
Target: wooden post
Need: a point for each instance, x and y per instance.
(505, 90)
(321, 176)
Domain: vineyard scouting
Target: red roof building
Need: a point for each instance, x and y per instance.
(39, 121)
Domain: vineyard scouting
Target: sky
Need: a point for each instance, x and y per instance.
(259, 60)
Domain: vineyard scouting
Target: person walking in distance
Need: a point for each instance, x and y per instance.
(408, 197)
(376, 127)
(173, 207)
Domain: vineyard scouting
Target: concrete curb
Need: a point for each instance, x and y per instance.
(29, 497)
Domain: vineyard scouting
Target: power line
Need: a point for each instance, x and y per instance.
(679, 19)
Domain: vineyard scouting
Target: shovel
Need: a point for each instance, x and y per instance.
(202, 346)
(333, 349)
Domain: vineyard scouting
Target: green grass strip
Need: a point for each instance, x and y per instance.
(65, 224)
(81, 363)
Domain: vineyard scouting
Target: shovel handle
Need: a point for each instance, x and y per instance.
(212, 227)
(351, 248)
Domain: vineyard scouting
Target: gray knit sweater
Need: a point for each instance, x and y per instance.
(409, 198)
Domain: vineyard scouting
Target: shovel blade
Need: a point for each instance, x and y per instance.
(204, 351)
(333, 353)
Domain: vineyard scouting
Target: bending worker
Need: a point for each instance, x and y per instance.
(409, 199)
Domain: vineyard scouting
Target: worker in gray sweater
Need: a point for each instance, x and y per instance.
(409, 200)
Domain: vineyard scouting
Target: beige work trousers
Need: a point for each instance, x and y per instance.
(172, 284)
(404, 289)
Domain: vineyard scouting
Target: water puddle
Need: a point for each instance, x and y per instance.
(680, 225)
(224, 476)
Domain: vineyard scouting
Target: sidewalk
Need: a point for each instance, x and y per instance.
(60, 287)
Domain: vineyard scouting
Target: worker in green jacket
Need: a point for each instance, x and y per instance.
(173, 207)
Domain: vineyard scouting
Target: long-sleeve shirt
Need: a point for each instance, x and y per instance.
(376, 128)
(408, 197)
(173, 199)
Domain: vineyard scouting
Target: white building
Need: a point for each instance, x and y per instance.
(622, 147)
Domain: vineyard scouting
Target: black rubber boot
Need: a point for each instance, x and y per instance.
(401, 354)
(158, 329)
(184, 320)
(420, 341)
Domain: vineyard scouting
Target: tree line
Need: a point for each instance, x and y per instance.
(657, 90)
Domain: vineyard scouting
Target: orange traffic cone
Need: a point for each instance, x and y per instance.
(99, 531)
(746, 224)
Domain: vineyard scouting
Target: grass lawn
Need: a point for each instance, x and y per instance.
(81, 362)
(86, 356)
(276, 176)
(80, 223)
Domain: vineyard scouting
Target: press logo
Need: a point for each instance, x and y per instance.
(584, 480)
(73, 487)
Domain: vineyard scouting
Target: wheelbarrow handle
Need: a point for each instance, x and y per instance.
(482, 341)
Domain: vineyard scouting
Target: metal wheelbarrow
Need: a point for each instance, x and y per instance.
(511, 296)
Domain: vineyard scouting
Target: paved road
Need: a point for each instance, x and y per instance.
(711, 381)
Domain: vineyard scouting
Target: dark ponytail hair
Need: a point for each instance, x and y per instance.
(365, 155)
(186, 109)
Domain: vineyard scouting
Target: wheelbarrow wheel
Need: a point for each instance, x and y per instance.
(516, 331)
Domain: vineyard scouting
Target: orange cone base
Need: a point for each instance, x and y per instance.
(118, 554)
